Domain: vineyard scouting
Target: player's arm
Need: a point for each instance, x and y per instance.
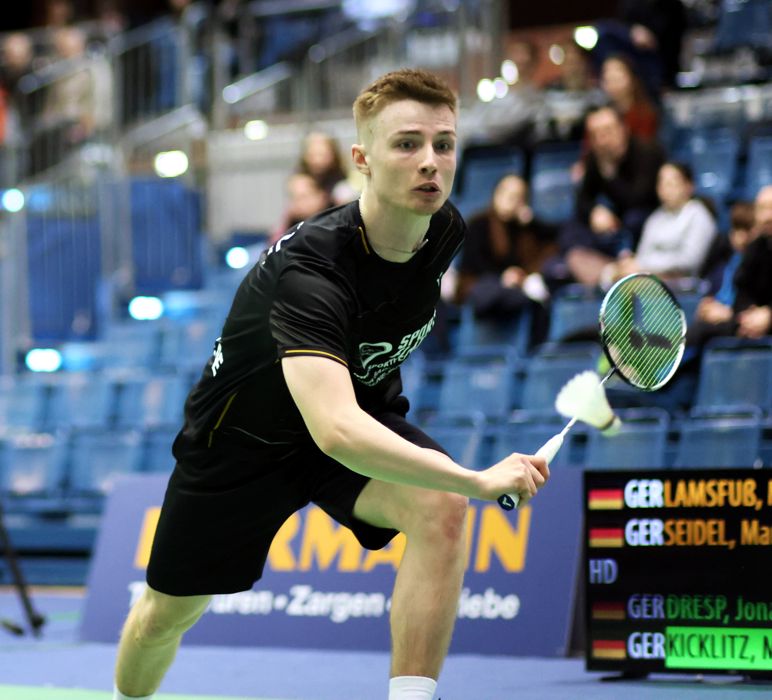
(323, 392)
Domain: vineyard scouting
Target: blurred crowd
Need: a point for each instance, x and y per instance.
(636, 208)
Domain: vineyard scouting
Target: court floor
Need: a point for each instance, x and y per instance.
(56, 666)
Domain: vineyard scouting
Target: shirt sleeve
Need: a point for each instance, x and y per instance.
(311, 315)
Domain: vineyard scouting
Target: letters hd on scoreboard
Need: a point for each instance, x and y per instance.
(676, 567)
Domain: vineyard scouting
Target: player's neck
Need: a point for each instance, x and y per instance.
(394, 234)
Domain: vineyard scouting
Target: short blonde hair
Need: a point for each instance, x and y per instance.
(404, 84)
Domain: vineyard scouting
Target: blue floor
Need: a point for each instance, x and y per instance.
(57, 660)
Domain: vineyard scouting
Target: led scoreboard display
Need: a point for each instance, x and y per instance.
(678, 571)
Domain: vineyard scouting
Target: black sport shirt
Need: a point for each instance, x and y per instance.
(320, 290)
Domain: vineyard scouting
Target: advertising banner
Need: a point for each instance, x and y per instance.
(320, 589)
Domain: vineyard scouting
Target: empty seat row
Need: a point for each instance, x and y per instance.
(74, 472)
(91, 400)
(185, 342)
(496, 379)
(648, 439)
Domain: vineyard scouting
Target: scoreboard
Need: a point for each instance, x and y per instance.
(678, 571)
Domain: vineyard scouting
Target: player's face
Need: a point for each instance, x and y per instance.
(411, 156)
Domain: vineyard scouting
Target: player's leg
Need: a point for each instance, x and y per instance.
(429, 579)
(222, 508)
(150, 639)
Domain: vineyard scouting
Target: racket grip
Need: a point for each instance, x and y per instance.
(510, 501)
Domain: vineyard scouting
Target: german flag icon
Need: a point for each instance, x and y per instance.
(605, 499)
(609, 649)
(602, 610)
(606, 537)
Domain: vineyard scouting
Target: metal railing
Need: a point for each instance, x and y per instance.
(71, 113)
(462, 41)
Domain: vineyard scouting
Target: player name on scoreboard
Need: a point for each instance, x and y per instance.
(684, 494)
(676, 571)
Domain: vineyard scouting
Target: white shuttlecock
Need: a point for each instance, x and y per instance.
(584, 398)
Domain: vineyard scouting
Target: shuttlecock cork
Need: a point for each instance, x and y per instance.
(584, 398)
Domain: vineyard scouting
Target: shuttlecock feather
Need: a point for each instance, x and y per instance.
(584, 398)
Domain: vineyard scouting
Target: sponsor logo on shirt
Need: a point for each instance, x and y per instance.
(376, 360)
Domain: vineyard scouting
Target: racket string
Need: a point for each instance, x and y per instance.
(642, 328)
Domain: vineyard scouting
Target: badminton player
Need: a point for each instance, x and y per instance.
(300, 402)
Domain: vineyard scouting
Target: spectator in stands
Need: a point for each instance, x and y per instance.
(518, 117)
(305, 197)
(616, 194)
(80, 101)
(628, 96)
(17, 55)
(725, 255)
(572, 94)
(110, 19)
(574, 71)
(57, 14)
(650, 33)
(744, 308)
(322, 159)
(499, 270)
(676, 237)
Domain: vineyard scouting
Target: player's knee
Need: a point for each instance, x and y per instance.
(161, 618)
(441, 519)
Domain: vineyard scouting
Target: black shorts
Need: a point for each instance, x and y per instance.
(225, 503)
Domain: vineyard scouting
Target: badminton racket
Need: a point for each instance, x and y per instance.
(643, 333)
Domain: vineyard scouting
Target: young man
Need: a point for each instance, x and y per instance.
(617, 193)
(301, 403)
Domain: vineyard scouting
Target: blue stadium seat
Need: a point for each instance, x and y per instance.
(22, 404)
(736, 372)
(189, 345)
(720, 439)
(411, 371)
(424, 391)
(166, 235)
(575, 309)
(482, 380)
(32, 471)
(551, 368)
(81, 400)
(460, 434)
(758, 171)
(476, 333)
(97, 458)
(191, 304)
(157, 454)
(743, 23)
(640, 443)
(714, 158)
(132, 344)
(147, 401)
(526, 432)
(766, 442)
(553, 192)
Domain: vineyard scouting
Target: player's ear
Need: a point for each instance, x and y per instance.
(360, 158)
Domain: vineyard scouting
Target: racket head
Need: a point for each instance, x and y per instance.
(643, 330)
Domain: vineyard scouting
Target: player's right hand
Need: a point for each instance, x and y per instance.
(518, 474)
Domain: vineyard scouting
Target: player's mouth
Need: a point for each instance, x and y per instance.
(429, 189)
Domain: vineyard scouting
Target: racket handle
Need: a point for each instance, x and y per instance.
(510, 501)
